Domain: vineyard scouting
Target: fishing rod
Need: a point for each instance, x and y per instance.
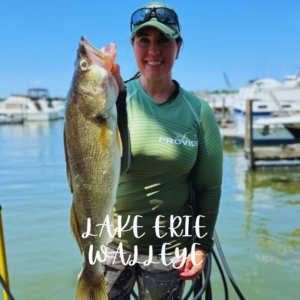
(3, 264)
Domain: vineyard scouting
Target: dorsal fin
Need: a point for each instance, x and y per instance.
(67, 162)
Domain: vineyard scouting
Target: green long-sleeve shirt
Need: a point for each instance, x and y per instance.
(169, 150)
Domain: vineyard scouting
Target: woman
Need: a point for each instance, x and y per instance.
(172, 153)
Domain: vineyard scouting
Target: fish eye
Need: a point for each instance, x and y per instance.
(83, 65)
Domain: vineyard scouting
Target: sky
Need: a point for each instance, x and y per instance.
(246, 39)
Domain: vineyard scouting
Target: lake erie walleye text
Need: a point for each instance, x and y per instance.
(175, 222)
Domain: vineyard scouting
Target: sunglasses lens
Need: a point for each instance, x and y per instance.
(166, 15)
(140, 16)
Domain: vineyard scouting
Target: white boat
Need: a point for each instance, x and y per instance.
(291, 123)
(294, 119)
(32, 107)
(273, 99)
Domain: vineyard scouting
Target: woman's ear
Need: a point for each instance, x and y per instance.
(178, 49)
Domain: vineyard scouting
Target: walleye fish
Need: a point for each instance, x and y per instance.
(93, 150)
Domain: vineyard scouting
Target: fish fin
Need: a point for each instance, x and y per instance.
(89, 289)
(119, 141)
(74, 228)
(67, 162)
(104, 134)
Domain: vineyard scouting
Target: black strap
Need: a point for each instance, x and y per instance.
(6, 288)
(124, 131)
(174, 95)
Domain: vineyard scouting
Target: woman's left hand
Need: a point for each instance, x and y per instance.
(189, 270)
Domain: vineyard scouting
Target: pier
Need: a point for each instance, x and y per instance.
(286, 156)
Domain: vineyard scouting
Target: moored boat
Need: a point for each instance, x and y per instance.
(273, 99)
(36, 106)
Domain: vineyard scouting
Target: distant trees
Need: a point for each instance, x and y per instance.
(222, 92)
(201, 93)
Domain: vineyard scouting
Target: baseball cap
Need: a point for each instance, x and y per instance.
(170, 30)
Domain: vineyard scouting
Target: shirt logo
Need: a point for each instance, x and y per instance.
(181, 141)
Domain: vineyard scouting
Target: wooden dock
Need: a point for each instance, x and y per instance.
(275, 157)
(286, 156)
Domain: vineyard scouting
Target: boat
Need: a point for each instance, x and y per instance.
(36, 106)
(273, 99)
(291, 123)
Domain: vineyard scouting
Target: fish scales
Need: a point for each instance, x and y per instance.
(93, 152)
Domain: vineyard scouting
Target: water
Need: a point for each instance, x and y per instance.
(258, 224)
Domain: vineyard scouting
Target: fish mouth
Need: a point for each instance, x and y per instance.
(89, 46)
(109, 49)
(104, 53)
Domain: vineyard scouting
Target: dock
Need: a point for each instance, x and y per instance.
(275, 157)
(285, 156)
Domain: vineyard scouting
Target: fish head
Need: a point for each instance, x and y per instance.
(95, 88)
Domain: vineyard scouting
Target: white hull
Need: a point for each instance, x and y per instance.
(277, 133)
(272, 99)
(22, 107)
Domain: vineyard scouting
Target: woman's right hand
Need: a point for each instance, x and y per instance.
(116, 73)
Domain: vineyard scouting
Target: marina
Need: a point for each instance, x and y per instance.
(272, 101)
(264, 117)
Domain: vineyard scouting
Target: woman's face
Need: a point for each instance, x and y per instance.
(154, 53)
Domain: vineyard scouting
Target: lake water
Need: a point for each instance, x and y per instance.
(258, 224)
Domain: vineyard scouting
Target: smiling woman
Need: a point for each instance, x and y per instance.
(172, 157)
(155, 55)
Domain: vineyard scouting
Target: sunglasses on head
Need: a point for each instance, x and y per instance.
(162, 14)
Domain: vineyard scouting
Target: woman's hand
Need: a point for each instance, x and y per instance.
(115, 70)
(191, 272)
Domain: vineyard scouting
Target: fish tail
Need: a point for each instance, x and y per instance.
(89, 289)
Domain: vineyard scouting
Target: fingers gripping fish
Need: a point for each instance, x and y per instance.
(93, 151)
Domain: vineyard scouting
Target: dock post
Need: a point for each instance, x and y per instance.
(248, 141)
(223, 108)
(3, 262)
(252, 163)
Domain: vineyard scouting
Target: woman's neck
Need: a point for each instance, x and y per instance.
(159, 90)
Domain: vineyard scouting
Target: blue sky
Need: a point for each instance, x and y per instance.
(246, 39)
